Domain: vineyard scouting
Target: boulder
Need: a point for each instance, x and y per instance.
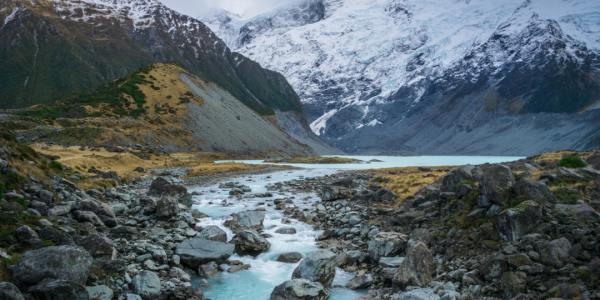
(299, 289)
(290, 257)
(146, 284)
(554, 253)
(417, 294)
(387, 244)
(87, 216)
(453, 181)
(533, 190)
(50, 289)
(27, 236)
(98, 246)
(102, 210)
(9, 291)
(318, 266)
(520, 220)
(384, 195)
(196, 251)
(161, 187)
(213, 233)
(513, 283)
(167, 207)
(417, 268)
(250, 242)
(99, 292)
(286, 230)
(246, 220)
(333, 192)
(496, 184)
(69, 263)
(360, 282)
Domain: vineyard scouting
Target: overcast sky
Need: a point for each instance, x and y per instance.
(244, 8)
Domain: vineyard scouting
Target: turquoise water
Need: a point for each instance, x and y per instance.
(265, 272)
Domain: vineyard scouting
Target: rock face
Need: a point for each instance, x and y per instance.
(9, 291)
(299, 289)
(213, 233)
(251, 220)
(196, 251)
(387, 244)
(250, 242)
(318, 266)
(68, 263)
(146, 284)
(417, 268)
(518, 221)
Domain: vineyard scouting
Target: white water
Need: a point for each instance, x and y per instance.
(265, 272)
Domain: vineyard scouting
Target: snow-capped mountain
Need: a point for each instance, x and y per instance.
(365, 68)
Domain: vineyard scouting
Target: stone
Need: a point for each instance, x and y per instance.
(69, 263)
(417, 294)
(246, 220)
(162, 187)
(554, 253)
(213, 233)
(384, 195)
(496, 183)
(45, 196)
(87, 216)
(208, 269)
(250, 242)
(55, 235)
(146, 284)
(58, 289)
(196, 251)
(100, 292)
(299, 289)
(130, 296)
(290, 257)
(286, 230)
(387, 244)
(318, 266)
(391, 262)
(167, 207)
(27, 236)
(9, 291)
(333, 192)
(532, 190)
(360, 282)
(60, 210)
(452, 181)
(513, 283)
(513, 223)
(102, 210)
(98, 246)
(417, 268)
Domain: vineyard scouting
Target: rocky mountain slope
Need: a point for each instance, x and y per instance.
(505, 77)
(51, 49)
(161, 108)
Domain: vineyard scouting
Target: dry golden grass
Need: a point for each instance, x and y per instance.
(125, 163)
(406, 182)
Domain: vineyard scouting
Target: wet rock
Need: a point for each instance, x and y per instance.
(167, 207)
(387, 244)
(9, 291)
(146, 284)
(196, 251)
(496, 184)
(208, 269)
(417, 268)
(299, 289)
(250, 242)
(290, 257)
(360, 282)
(286, 230)
(246, 220)
(520, 220)
(213, 233)
(69, 263)
(318, 266)
(50, 289)
(332, 193)
(100, 292)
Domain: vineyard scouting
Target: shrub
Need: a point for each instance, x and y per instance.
(56, 166)
(572, 162)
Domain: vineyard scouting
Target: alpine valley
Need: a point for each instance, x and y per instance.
(435, 76)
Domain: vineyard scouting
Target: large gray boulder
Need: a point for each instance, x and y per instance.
(50, 289)
(167, 207)
(335, 192)
(387, 244)
(195, 252)
(161, 187)
(9, 291)
(417, 268)
(250, 242)
(102, 210)
(533, 190)
(453, 181)
(496, 184)
(246, 220)
(213, 233)
(98, 246)
(299, 289)
(417, 294)
(554, 253)
(318, 266)
(146, 284)
(70, 263)
(100, 292)
(513, 223)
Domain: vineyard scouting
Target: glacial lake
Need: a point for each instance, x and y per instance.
(265, 272)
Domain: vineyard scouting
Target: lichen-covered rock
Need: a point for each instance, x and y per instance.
(417, 268)
(146, 284)
(70, 263)
(496, 184)
(532, 190)
(299, 289)
(318, 266)
(522, 219)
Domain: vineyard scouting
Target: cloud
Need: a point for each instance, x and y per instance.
(243, 8)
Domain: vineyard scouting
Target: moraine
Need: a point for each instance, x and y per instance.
(265, 272)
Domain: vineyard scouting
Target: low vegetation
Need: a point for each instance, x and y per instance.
(574, 162)
(406, 182)
(316, 160)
